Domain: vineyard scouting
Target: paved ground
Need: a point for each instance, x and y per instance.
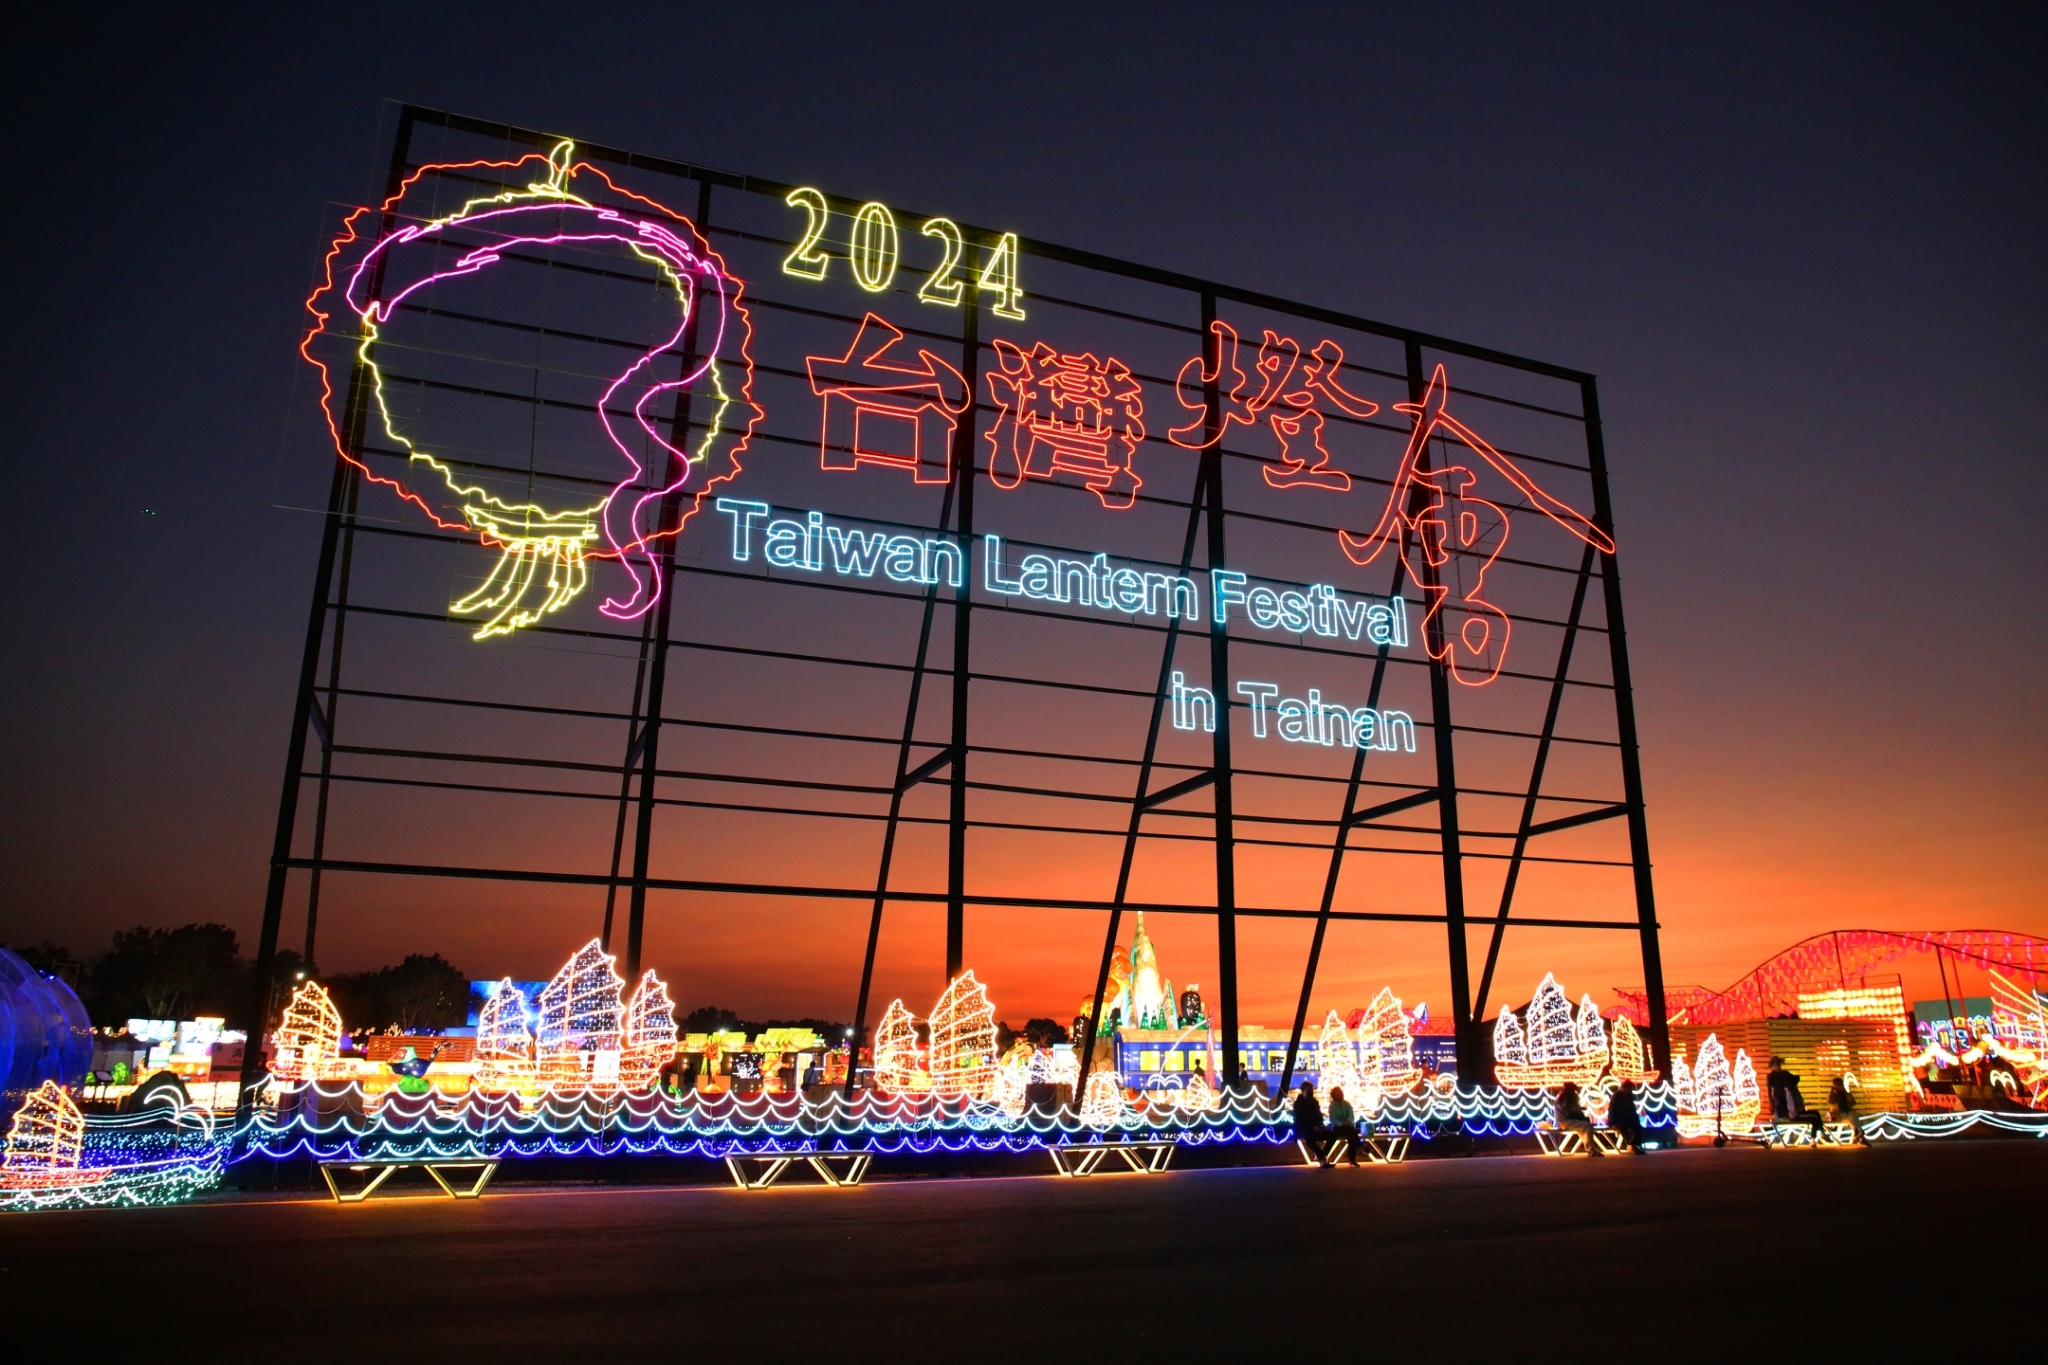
(1688, 1255)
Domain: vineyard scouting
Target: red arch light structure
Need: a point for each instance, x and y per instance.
(1830, 959)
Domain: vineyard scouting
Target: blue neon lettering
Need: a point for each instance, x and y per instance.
(992, 569)
(904, 560)
(1193, 707)
(946, 553)
(1226, 586)
(1259, 693)
(744, 515)
(783, 544)
(856, 552)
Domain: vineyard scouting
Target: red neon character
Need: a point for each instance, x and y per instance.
(921, 404)
(1065, 412)
(1291, 389)
(1454, 532)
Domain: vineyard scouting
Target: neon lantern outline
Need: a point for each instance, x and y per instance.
(1436, 529)
(1106, 405)
(930, 400)
(527, 535)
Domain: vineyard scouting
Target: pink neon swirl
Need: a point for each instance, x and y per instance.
(508, 228)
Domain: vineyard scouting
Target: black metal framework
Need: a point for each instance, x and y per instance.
(1273, 807)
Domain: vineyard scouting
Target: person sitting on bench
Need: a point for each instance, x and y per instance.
(1786, 1105)
(1308, 1122)
(1571, 1117)
(1343, 1124)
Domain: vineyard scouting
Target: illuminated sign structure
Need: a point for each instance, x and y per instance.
(661, 460)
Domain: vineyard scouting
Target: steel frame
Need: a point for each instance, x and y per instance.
(643, 783)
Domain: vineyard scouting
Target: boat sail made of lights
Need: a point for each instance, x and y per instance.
(1713, 1095)
(1550, 1045)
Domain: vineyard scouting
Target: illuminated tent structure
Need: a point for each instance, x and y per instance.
(44, 1032)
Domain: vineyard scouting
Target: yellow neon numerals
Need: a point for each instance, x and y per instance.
(874, 249)
(807, 261)
(942, 288)
(999, 277)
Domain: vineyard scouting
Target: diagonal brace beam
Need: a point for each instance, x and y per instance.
(1394, 807)
(1177, 790)
(924, 770)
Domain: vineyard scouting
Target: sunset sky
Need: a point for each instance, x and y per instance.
(1803, 260)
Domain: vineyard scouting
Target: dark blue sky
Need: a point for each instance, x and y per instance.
(1803, 254)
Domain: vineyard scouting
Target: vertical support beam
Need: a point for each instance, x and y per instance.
(657, 675)
(626, 765)
(1219, 682)
(1196, 503)
(896, 795)
(1315, 945)
(1625, 727)
(1535, 792)
(348, 554)
(1472, 1045)
(963, 605)
(302, 704)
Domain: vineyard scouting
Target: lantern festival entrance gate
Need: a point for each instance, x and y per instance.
(757, 530)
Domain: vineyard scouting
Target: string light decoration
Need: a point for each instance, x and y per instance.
(1591, 1032)
(963, 1052)
(1012, 1076)
(2018, 1015)
(504, 1044)
(1387, 1032)
(480, 1127)
(1195, 1095)
(1103, 1103)
(308, 1036)
(899, 1061)
(649, 1041)
(1713, 1096)
(1628, 1058)
(1336, 1061)
(1825, 961)
(1557, 1047)
(580, 1023)
(46, 1141)
(164, 1155)
(544, 550)
(1509, 1046)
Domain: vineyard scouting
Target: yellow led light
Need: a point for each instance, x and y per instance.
(874, 247)
(999, 277)
(899, 1061)
(308, 1036)
(941, 287)
(807, 261)
(963, 1055)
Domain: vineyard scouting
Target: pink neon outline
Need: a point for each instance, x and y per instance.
(615, 226)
